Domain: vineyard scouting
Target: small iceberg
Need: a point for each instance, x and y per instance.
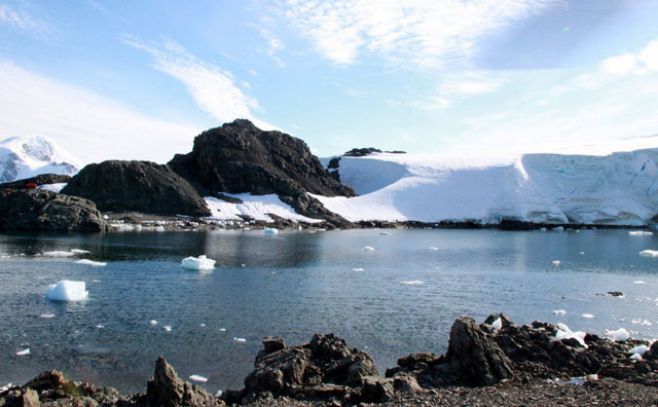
(91, 263)
(587, 315)
(556, 263)
(47, 316)
(359, 269)
(616, 335)
(270, 231)
(639, 282)
(198, 378)
(167, 328)
(412, 282)
(23, 352)
(649, 253)
(560, 312)
(368, 249)
(558, 229)
(240, 340)
(563, 332)
(640, 233)
(198, 263)
(153, 322)
(433, 249)
(67, 290)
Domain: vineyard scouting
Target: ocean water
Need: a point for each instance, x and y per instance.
(297, 283)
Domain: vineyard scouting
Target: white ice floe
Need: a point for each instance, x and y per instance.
(639, 349)
(198, 378)
(58, 253)
(222, 329)
(47, 316)
(582, 252)
(620, 334)
(649, 253)
(587, 315)
(219, 393)
(6, 387)
(159, 229)
(270, 231)
(79, 251)
(556, 263)
(202, 325)
(384, 233)
(368, 249)
(558, 229)
(640, 233)
(433, 248)
(412, 282)
(239, 340)
(153, 322)
(358, 269)
(560, 312)
(198, 263)
(639, 282)
(167, 328)
(100, 326)
(23, 352)
(91, 263)
(642, 322)
(563, 332)
(67, 290)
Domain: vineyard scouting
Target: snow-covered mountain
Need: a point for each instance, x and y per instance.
(24, 157)
(617, 189)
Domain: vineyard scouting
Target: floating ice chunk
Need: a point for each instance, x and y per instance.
(543, 229)
(57, 253)
(412, 282)
(159, 228)
(202, 325)
(219, 393)
(198, 378)
(558, 229)
(560, 312)
(649, 253)
(639, 282)
(563, 332)
(23, 352)
(167, 328)
(222, 329)
(620, 334)
(636, 356)
(358, 269)
(47, 316)
(582, 253)
(639, 349)
(153, 322)
(67, 290)
(433, 248)
(92, 263)
(100, 326)
(556, 263)
(80, 251)
(198, 263)
(105, 217)
(239, 340)
(640, 233)
(587, 315)
(497, 325)
(384, 233)
(368, 249)
(643, 322)
(270, 231)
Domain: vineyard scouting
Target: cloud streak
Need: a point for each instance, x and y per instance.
(21, 20)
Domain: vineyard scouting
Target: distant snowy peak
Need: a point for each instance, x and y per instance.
(24, 157)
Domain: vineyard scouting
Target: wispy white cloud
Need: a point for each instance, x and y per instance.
(274, 45)
(90, 126)
(22, 20)
(629, 63)
(212, 88)
(421, 33)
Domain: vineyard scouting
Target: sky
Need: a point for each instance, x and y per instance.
(128, 79)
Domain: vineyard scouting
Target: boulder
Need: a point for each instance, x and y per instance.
(239, 157)
(21, 398)
(137, 186)
(168, 390)
(43, 179)
(475, 355)
(38, 210)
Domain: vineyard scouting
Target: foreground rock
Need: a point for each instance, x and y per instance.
(238, 157)
(140, 186)
(168, 390)
(38, 210)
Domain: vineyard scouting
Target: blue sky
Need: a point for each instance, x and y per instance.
(140, 79)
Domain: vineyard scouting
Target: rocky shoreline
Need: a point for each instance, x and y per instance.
(496, 363)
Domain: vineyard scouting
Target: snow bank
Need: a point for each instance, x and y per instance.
(198, 263)
(26, 157)
(620, 334)
(53, 187)
(67, 290)
(257, 207)
(617, 189)
(563, 332)
(92, 263)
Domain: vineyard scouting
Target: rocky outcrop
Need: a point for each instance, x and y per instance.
(166, 389)
(44, 179)
(239, 157)
(362, 152)
(139, 186)
(38, 210)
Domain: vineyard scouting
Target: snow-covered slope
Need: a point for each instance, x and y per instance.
(257, 207)
(24, 157)
(619, 189)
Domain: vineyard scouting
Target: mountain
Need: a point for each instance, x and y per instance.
(24, 157)
(617, 189)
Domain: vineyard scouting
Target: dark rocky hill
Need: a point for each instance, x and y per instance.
(139, 186)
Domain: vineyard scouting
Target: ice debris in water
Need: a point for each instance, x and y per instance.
(639, 282)
(368, 249)
(67, 290)
(560, 312)
(153, 322)
(92, 263)
(587, 315)
(559, 229)
(240, 340)
(198, 378)
(384, 233)
(222, 329)
(412, 282)
(270, 231)
(198, 263)
(202, 325)
(219, 393)
(640, 233)
(23, 352)
(433, 248)
(100, 326)
(649, 253)
(358, 269)
(47, 316)
(563, 332)
(556, 263)
(79, 251)
(63, 253)
(620, 334)
(582, 252)
(643, 322)
(167, 328)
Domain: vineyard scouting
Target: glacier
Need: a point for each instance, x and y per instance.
(25, 157)
(617, 189)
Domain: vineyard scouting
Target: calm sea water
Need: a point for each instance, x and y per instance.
(298, 283)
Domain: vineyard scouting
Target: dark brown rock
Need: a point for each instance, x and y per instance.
(43, 179)
(273, 343)
(168, 390)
